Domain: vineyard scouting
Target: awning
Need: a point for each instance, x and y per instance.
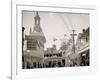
(84, 49)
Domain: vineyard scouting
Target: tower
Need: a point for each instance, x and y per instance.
(37, 27)
(37, 19)
(34, 54)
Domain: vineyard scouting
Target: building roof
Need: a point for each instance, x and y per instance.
(82, 41)
(34, 53)
(51, 51)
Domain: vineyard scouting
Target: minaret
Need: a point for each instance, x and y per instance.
(37, 27)
(37, 19)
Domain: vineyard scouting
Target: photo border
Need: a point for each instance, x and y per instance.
(14, 60)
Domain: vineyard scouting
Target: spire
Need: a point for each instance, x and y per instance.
(37, 27)
(37, 19)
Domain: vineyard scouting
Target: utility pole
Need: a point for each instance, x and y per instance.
(73, 36)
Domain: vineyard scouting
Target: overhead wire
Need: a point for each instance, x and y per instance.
(70, 21)
(65, 23)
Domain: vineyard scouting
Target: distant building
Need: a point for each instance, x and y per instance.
(54, 58)
(82, 47)
(34, 53)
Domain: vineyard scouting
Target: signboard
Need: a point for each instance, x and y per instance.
(31, 44)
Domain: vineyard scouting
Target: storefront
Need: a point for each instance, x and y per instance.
(84, 58)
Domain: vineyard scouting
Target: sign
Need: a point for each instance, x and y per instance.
(31, 44)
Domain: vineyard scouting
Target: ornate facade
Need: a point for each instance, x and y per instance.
(34, 53)
(54, 58)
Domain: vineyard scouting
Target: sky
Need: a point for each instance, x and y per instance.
(55, 25)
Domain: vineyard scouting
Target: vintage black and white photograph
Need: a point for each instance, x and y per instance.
(55, 39)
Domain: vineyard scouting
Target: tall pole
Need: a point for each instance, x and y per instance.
(23, 46)
(73, 36)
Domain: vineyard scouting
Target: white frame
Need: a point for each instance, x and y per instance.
(17, 73)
